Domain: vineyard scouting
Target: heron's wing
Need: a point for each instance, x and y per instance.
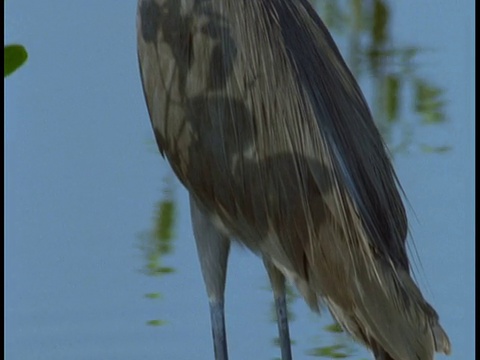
(306, 105)
(262, 121)
(257, 113)
(360, 191)
(356, 150)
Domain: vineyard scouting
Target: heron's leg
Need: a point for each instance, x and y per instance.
(278, 286)
(212, 248)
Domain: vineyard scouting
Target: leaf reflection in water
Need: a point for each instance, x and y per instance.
(158, 243)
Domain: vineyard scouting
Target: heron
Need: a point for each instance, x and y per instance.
(263, 123)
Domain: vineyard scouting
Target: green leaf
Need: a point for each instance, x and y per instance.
(334, 328)
(153, 295)
(381, 15)
(156, 322)
(392, 97)
(14, 56)
(429, 102)
(165, 221)
(332, 352)
(435, 149)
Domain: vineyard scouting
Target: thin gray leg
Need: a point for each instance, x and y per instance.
(283, 331)
(218, 330)
(213, 248)
(278, 286)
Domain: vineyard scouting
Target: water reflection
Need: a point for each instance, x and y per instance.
(158, 242)
(341, 345)
(401, 99)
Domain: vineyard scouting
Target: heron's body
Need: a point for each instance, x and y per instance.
(265, 126)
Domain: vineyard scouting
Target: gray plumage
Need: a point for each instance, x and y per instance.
(261, 120)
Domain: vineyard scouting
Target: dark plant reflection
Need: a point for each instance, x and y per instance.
(158, 242)
(340, 345)
(401, 99)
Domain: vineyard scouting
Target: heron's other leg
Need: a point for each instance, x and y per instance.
(212, 248)
(278, 286)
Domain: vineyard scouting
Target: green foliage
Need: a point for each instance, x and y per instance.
(435, 149)
(158, 242)
(334, 328)
(339, 351)
(156, 322)
(392, 85)
(381, 17)
(14, 56)
(164, 225)
(153, 295)
(402, 98)
(429, 103)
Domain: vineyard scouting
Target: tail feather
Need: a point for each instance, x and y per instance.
(394, 317)
(442, 343)
(386, 312)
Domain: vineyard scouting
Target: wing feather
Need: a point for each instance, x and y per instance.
(260, 118)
